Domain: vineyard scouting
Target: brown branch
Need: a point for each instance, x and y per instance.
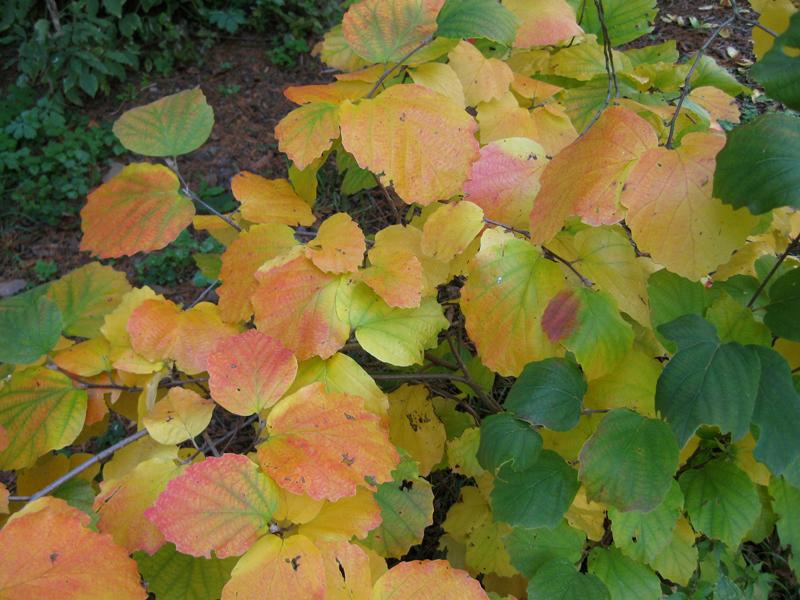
(792, 245)
(611, 71)
(490, 402)
(172, 163)
(399, 63)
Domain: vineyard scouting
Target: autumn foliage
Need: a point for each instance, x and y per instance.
(585, 322)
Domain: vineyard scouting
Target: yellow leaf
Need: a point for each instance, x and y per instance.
(668, 196)
(631, 385)
(587, 516)
(422, 142)
(450, 229)
(85, 359)
(744, 459)
(115, 330)
(483, 79)
(181, 415)
(126, 459)
(504, 118)
(307, 132)
(395, 275)
(354, 516)
(462, 453)
(270, 200)
(774, 15)
(339, 246)
(440, 78)
(348, 573)
(414, 426)
(335, 52)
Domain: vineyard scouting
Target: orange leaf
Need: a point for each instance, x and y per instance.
(325, 445)
(139, 210)
(333, 93)
(298, 304)
(339, 246)
(544, 22)
(288, 567)
(587, 177)
(160, 330)
(52, 554)
(668, 196)
(505, 180)
(222, 504)
(241, 260)
(395, 275)
(483, 79)
(421, 141)
(270, 200)
(122, 502)
(347, 571)
(85, 359)
(307, 132)
(250, 372)
(427, 580)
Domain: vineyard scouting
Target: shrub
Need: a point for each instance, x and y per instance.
(582, 329)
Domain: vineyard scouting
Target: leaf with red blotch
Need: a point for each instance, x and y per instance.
(250, 372)
(589, 325)
(160, 330)
(588, 176)
(300, 305)
(51, 553)
(339, 246)
(288, 567)
(544, 22)
(222, 504)
(505, 180)
(307, 132)
(241, 260)
(427, 580)
(122, 502)
(425, 146)
(139, 210)
(325, 445)
(270, 200)
(669, 198)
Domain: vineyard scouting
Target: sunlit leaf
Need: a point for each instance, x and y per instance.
(425, 146)
(221, 504)
(270, 201)
(353, 516)
(171, 126)
(450, 229)
(139, 210)
(324, 445)
(339, 246)
(179, 416)
(306, 132)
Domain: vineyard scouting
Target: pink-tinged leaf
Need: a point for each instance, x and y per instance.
(122, 502)
(51, 553)
(222, 504)
(505, 180)
(160, 330)
(560, 318)
(270, 200)
(276, 567)
(339, 246)
(587, 177)
(543, 22)
(241, 260)
(325, 445)
(332, 93)
(139, 210)
(300, 305)
(307, 132)
(425, 145)
(427, 580)
(250, 372)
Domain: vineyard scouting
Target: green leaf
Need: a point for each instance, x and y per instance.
(559, 580)
(549, 393)
(678, 560)
(171, 126)
(736, 323)
(786, 504)
(79, 494)
(30, 326)
(779, 70)
(508, 440)
(672, 296)
(398, 336)
(406, 505)
(776, 413)
(643, 535)
(710, 73)
(759, 167)
(706, 382)
(488, 19)
(536, 497)
(41, 411)
(114, 7)
(721, 501)
(625, 579)
(783, 310)
(171, 575)
(626, 20)
(629, 461)
(529, 549)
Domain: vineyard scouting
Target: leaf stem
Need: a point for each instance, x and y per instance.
(611, 71)
(792, 245)
(490, 402)
(172, 163)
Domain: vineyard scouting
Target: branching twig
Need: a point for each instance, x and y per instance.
(792, 245)
(172, 163)
(392, 205)
(687, 85)
(80, 468)
(399, 63)
(611, 71)
(490, 402)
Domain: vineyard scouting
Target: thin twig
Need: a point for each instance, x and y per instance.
(439, 362)
(523, 232)
(80, 468)
(417, 377)
(210, 443)
(392, 205)
(611, 71)
(792, 245)
(391, 70)
(687, 85)
(204, 294)
(490, 402)
(172, 163)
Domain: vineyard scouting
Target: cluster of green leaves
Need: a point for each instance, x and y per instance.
(589, 299)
